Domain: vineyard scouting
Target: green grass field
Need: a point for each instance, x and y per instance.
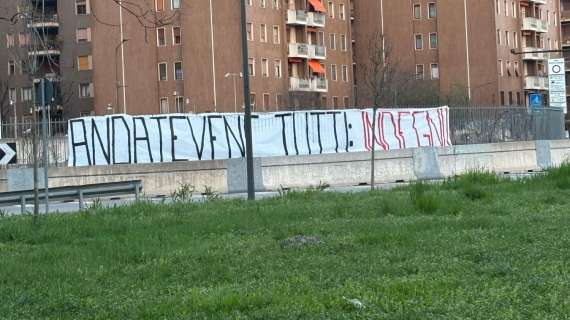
(474, 247)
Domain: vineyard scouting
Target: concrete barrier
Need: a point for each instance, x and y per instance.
(347, 169)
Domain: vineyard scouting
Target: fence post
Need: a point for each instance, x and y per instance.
(137, 191)
(23, 204)
(81, 203)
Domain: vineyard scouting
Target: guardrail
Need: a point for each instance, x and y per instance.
(71, 193)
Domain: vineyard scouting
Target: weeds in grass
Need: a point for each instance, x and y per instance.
(210, 195)
(423, 199)
(184, 193)
(95, 205)
(560, 176)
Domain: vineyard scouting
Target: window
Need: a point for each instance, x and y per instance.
(262, 32)
(507, 39)
(432, 10)
(164, 105)
(499, 36)
(335, 102)
(262, 3)
(266, 98)
(175, 4)
(176, 35)
(345, 73)
(252, 100)
(264, 67)
(12, 94)
(518, 98)
(510, 98)
(278, 101)
(419, 71)
(419, 42)
(83, 35)
(501, 68)
(331, 9)
(251, 67)
(250, 31)
(160, 37)
(514, 10)
(276, 35)
(506, 9)
(417, 11)
(275, 4)
(85, 90)
(11, 67)
(179, 104)
(26, 94)
(81, 7)
(341, 11)
(332, 41)
(515, 40)
(497, 5)
(84, 63)
(434, 71)
(9, 40)
(162, 71)
(508, 68)
(178, 73)
(159, 5)
(277, 67)
(346, 103)
(24, 39)
(333, 72)
(343, 45)
(433, 40)
(249, 2)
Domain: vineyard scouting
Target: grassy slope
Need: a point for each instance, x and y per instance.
(473, 248)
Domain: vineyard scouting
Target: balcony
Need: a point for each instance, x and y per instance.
(534, 24)
(538, 1)
(308, 85)
(534, 55)
(297, 17)
(565, 42)
(535, 83)
(48, 48)
(45, 21)
(316, 19)
(565, 16)
(307, 51)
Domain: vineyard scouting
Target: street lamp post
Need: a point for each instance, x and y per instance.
(13, 105)
(247, 105)
(118, 84)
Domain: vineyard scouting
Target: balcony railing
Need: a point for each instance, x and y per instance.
(307, 51)
(47, 20)
(297, 17)
(316, 19)
(46, 48)
(534, 55)
(538, 1)
(314, 84)
(565, 16)
(536, 83)
(534, 24)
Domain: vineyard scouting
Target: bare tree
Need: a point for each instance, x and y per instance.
(382, 79)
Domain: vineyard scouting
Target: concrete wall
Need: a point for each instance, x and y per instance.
(335, 169)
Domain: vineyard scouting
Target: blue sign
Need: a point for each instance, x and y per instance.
(535, 100)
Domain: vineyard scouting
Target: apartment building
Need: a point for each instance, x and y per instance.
(467, 46)
(189, 60)
(54, 36)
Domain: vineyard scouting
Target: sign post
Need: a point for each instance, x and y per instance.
(557, 84)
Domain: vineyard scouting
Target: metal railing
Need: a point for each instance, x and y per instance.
(71, 193)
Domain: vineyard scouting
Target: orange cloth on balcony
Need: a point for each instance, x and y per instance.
(318, 5)
(316, 66)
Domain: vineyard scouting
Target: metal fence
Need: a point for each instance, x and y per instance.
(468, 125)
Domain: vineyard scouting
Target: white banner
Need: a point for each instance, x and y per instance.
(124, 139)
